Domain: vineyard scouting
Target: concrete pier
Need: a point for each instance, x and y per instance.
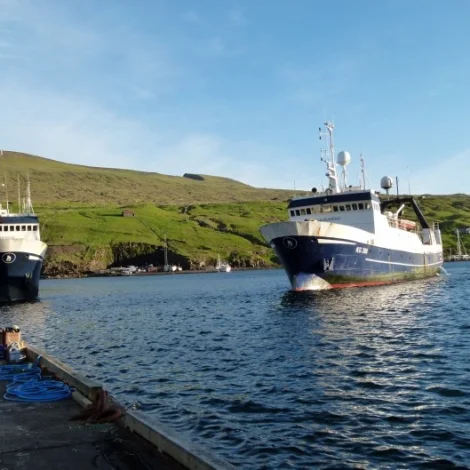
(37, 436)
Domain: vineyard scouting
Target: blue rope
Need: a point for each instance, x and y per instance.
(28, 385)
(36, 390)
(19, 372)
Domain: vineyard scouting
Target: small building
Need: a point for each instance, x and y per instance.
(128, 213)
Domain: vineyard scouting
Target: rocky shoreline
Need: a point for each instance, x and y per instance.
(75, 261)
(143, 274)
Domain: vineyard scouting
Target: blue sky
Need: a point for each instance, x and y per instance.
(239, 88)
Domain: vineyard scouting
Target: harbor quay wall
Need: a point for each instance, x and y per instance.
(166, 440)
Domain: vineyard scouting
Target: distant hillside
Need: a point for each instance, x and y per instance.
(55, 182)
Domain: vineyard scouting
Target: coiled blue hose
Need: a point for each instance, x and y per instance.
(36, 390)
(28, 385)
(19, 372)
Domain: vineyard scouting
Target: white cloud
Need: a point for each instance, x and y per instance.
(66, 129)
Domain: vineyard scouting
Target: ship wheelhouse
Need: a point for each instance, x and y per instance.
(352, 208)
(19, 226)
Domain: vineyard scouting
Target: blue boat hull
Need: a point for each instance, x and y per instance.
(19, 277)
(321, 263)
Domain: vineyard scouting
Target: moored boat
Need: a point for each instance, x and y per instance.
(348, 236)
(21, 253)
(222, 266)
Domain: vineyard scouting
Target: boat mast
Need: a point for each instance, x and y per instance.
(331, 164)
(6, 193)
(166, 254)
(29, 205)
(459, 245)
(19, 193)
(363, 174)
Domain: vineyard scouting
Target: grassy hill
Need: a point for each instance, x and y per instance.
(80, 209)
(56, 182)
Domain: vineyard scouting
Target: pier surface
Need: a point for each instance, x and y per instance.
(41, 436)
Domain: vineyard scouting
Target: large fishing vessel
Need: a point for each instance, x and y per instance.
(348, 236)
(21, 252)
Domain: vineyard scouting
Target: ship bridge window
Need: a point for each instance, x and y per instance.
(23, 228)
(348, 207)
(292, 213)
(17, 228)
(327, 208)
(297, 212)
(335, 208)
(302, 211)
(308, 210)
(29, 228)
(341, 208)
(360, 205)
(35, 228)
(354, 207)
(367, 205)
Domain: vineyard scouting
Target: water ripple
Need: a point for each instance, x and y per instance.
(363, 378)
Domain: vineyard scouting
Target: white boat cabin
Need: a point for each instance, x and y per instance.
(356, 208)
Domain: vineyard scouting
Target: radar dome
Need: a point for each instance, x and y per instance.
(386, 183)
(343, 158)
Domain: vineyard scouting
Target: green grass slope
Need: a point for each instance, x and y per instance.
(56, 182)
(196, 234)
(451, 212)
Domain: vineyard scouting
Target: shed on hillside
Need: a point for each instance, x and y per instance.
(128, 213)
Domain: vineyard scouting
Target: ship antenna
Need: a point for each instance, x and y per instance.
(6, 194)
(363, 173)
(19, 192)
(331, 164)
(409, 183)
(459, 246)
(29, 204)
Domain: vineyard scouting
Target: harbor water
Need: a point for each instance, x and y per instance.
(360, 378)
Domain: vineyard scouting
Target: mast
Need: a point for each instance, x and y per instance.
(363, 174)
(459, 245)
(6, 192)
(331, 164)
(19, 192)
(29, 205)
(166, 254)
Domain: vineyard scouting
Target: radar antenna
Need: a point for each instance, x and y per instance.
(363, 173)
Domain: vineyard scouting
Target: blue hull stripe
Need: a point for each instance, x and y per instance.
(342, 262)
